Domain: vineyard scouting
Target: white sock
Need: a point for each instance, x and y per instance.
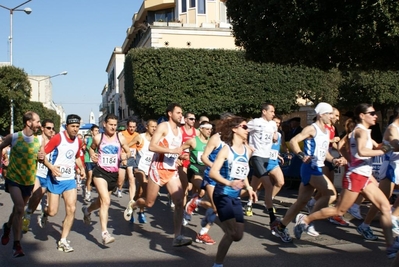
(249, 203)
(198, 201)
(63, 240)
(203, 231)
(104, 233)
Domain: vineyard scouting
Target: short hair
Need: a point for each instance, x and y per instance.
(278, 117)
(151, 120)
(94, 126)
(188, 113)
(110, 116)
(28, 116)
(45, 121)
(171, 107)
(265, 106)
(131, 120)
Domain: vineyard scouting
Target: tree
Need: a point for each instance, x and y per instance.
(324, 34)
(15, 86)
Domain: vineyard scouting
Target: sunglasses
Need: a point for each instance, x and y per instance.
(49, 128)
(245, 127)
(191, 119)
(372, 113)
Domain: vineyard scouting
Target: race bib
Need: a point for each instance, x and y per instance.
(199, 155)
(170, 161)
(41, 167)
(67, 171)
(109, 160)
(273, 154)
(132, 152)
(321, 155)
(145, 162)
(239, 170)
(268, 137)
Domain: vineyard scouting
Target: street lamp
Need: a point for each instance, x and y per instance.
(27, 10)
(12, 111)
(46, 78)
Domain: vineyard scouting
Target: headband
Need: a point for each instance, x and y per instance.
(72, 121)
(206, 125)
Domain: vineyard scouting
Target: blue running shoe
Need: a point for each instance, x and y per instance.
(141, 217)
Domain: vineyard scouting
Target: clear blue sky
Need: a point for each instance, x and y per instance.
(77, 36)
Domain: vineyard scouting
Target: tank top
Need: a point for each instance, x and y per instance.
(23, 159)
(275, 149)
(360, 165)
(196, 153)
(317, 146)
(261, 136)
(145, 155)
(237, 167)
(42, 170)
(212, 157)
(167, 161)
(109, 152)
(186, 136)
(64, 156)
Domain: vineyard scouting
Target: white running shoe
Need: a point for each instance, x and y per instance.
(128, 213)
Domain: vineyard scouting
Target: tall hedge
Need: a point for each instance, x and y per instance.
(210, 82)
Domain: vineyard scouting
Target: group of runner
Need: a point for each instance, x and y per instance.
(214, 164)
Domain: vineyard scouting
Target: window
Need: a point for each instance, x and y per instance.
(192, 3)
(164, 15)
(201, 6)
(223, 13)
(183, 5)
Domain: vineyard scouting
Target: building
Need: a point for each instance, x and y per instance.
(42, 91)
(166, 23)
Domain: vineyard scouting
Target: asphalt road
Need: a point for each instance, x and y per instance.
(150, 244)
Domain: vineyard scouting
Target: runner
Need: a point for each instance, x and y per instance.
(362, 149)
(166, 145)
(144, 159)
(40, 187)
(262, 134)
(230, 179)
(65, 148)
(105, 175)
(195, 175)
(316, 140)
(94, 130)
(21, 175)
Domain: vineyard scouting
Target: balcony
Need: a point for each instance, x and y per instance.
(151, 5)
(103, 107)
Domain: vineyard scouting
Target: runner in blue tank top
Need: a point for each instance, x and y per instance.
(230, 180)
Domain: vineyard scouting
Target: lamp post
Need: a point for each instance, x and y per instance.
(27, 10)
(46, 78)
(12, 111)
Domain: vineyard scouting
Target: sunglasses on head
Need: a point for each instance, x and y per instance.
(49, 128)
(372, 113)
(245, 127)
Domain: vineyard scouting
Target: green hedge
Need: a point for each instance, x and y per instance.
(210, 82)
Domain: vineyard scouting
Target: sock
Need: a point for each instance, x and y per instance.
(104, 233)
(271, 214)
(203, 231)
(312, 201)
(63, 240)
(249, 203)
(198, 201)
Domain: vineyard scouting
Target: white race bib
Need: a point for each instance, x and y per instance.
(145, 162)
(239, 170)
(67, 171)
(170, 161)
(132, 152)
(109, 160)
(273, 154)
(199, 155)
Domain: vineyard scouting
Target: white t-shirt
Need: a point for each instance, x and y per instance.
(261, 134)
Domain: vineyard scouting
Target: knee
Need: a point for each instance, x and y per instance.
(51, 212)
(279, 183)
(105, 202)
(178, 203)
(18, 210)
(149, 204)
(237, 236)
(71, 209)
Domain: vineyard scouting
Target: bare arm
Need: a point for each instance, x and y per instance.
(160, 132)
(361, 137)
(213, 142)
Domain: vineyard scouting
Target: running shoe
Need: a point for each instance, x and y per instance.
(392, 250)
(26, 222)
(181, 241)
(248, 210)
(310, 230)
(170, 202)
(107, 238)
(5, 237)
(39, 207)
(338, 220)
(367, 233)
(119, 193)
(86, 216)
(355, 212)
(190, 207)
(87, 196)
(17, 251)
(141, 217)
(184, 222)
(127, 214)
(300, 226)
(42, 220)
(283, 233)
(205, 239)
(64, 246)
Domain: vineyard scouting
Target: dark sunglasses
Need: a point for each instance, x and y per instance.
(372, 113)
(191, 119)
(245, 127)
(49, 128)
